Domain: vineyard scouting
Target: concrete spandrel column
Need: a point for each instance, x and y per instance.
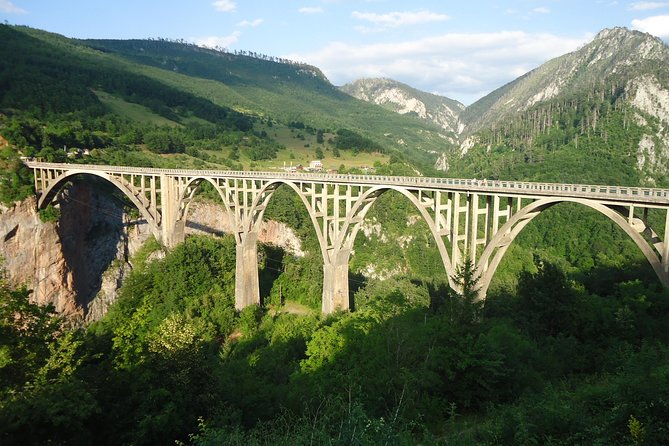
(247, 287)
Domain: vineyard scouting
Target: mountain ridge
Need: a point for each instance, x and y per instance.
(619, 71)
(611, 52)
(619, 80)
(153, 73)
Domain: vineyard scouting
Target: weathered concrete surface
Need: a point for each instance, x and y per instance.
(247, 286)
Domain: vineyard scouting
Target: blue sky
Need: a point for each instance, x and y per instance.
(462, 50)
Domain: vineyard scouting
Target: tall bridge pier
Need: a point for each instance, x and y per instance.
(469, 219)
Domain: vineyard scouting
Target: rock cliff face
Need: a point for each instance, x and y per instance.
(210, 218)
(63, 263)
(404, 99)
(33, 257)
(79, 263)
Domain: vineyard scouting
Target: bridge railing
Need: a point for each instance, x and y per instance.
(624, 193)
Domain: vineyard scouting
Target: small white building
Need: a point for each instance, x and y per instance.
(315, 165)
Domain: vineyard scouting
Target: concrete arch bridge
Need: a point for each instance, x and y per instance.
(469, 219)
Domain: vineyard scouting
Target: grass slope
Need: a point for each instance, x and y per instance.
(277, 90)
(134, 112)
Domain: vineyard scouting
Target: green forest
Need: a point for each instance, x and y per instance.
(570, 347)
(552, 363)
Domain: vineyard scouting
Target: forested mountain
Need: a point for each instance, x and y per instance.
(224, 107)
(599, 114)
(616, 62)
(604, 107)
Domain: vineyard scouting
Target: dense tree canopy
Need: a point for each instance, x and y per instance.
(414, 363)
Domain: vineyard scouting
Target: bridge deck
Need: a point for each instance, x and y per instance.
(623, 194)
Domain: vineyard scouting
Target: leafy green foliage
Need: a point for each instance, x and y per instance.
(39, 360)
(15, 177)
(49, 214)
(581, 139)
(173, 361)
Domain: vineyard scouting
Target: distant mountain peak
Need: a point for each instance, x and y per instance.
(620, 32)
(403, 99)
(626, 43)
(613, 56)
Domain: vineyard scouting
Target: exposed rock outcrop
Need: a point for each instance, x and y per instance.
(403, 99)
(64, 263)
(33, 258)
(211, 218)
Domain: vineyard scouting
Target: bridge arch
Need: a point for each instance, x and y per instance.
(191, 188)
(364, 204)
(58, 183)
(263, 198)
(336, 257)
(500, 242)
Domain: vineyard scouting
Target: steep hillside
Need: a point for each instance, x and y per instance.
(615, 58)
(269, 87)
(599, 114)
(403, 99)
(220, 108)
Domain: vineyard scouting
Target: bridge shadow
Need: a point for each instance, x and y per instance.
(271, 260)
(356, 281)
(93, 234)
(204, 228)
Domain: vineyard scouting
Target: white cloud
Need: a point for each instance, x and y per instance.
(250, 23)
(645, 6)
(10, 8)
(541, 11)
(224, 5)
(396, 19)
(310, 10)
(657, 25)
(461, 66)
(216, 41)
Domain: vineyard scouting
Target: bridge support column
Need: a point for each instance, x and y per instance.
(176, 235)
(247, 286)
(335, 282)
(172, 228)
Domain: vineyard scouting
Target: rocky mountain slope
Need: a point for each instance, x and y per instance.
(610, 96)
(617, 58)
(603, 109)
(78, 263)
(63, 262)
(406, 100)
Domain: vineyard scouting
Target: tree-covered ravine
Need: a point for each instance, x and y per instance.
(559, 353)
